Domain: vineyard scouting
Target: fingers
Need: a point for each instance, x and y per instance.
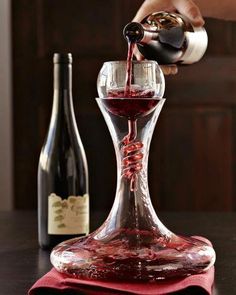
(189, 9)
(150, 6)
(169, 69)
(186, 7)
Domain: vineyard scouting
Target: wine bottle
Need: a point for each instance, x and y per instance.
(63, 200)
(168, 38)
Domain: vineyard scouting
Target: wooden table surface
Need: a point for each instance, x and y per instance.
(22, 262)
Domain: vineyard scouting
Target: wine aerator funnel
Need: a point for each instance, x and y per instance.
(146, 76)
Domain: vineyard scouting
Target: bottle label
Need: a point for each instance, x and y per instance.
(68, 216)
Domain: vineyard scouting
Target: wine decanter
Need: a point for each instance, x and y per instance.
(132, 244)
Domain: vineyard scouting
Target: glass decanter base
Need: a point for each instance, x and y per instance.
(130, 254)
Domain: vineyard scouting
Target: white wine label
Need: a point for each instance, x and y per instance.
(68, 216)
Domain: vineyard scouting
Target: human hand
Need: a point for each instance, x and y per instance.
(185, 7)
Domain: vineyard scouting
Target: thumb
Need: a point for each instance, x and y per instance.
(189, 9)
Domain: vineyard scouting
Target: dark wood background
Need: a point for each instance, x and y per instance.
(192, 160)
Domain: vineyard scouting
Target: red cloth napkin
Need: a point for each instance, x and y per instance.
(56, 283)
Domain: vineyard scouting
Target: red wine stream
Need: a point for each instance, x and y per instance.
(128, 79)
(132, 107)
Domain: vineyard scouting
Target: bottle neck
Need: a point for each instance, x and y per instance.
(62, 97)
(172, 36)
(137, 33)
(62, 77)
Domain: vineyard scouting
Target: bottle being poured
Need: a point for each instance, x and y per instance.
(168, 38)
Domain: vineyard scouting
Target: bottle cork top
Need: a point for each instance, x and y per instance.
(62, 58)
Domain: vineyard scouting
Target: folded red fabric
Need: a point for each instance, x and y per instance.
(56, 283)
